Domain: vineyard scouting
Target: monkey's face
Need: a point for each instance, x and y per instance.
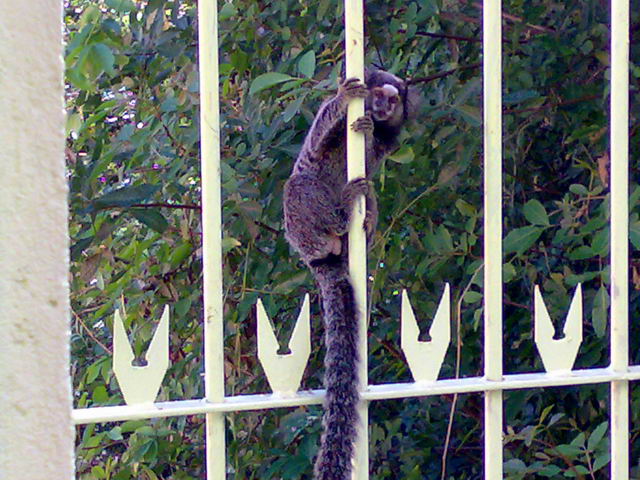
(385, 103)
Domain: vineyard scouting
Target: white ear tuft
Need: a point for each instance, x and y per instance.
(390, 89)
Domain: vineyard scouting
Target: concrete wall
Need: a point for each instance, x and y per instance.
(36, 435)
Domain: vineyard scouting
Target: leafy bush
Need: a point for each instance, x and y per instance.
(133, 160)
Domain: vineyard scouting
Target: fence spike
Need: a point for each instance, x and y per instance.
(558, 355)
(140, 384)
(425, 358)
(284, 371)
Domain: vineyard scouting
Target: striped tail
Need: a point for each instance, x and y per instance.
(334, 461)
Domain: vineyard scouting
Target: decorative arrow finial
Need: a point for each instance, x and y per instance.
(558, 355)
(425, 358)
(284, 372)
(140, 384)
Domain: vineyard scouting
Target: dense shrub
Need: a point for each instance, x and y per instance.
(133, 160)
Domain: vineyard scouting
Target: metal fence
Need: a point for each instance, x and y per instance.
(140, 384)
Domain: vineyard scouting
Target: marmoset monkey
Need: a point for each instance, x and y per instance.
(318, 202)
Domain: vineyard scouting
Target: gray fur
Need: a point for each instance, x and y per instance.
(318, 202)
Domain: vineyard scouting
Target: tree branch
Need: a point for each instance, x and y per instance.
(430, 78)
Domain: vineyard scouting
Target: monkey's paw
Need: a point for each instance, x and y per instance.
(363, 124)
(353, 189)
(353, 88)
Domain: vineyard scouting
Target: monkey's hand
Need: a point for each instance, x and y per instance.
(363, 124)
(352, 88)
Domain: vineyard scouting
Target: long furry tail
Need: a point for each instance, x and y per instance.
(341, 378)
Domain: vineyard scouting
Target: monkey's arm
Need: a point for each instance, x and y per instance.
(331, 113)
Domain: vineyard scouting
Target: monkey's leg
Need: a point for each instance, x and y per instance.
(314, 218)
(371, 217)
(351, 191)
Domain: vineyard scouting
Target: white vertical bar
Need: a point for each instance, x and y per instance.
(492, 75)
(212, 234)
(354, 46)
(619, 236)
(36, 433)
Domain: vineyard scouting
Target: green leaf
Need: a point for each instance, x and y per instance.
(579, 440)
(79, 80)
(465, 208)
(121, 6)
(227, 11)
(515, 465)
(151, 218)
(600, 242)
(268, 80)
(115, 433)
(599, 312)
(581, 253)
(125, 196)
(403, 155)
(521, 239)
(554, 418)
(634, 233)
(472, 297)
(578, 189)
(596, 436)
(181, 307)
(98, 472)
(290, 284)
(307, 64)
(519, 96)
(470, 113)
(569, 451)
(79, 247)
(549, 471)
(100, 394)
(545, 412)
(229, 243)
(535, 213)
(103, 58)
(180, 253)
(293, 108)
(508, 272)
(601, 460)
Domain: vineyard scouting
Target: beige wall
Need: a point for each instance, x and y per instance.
(36, 436)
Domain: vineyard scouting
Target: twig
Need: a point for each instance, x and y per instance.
(448, 36)
(458, 361)
(89, 332)
(430, 78)
(382, 242)
(552, 104)
(167, 205)
(515, 19)
(177, 145)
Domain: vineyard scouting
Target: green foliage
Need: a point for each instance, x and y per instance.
(133, 164)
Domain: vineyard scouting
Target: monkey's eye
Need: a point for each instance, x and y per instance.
(393, 100)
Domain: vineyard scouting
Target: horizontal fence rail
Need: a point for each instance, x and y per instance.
(391, 391)
(284, 371)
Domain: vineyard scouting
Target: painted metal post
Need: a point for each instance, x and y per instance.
(492, 76)
(36, 433)
(619, 237)
(211, 235)
(354, 54)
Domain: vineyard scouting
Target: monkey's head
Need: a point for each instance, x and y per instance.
(390, 100)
